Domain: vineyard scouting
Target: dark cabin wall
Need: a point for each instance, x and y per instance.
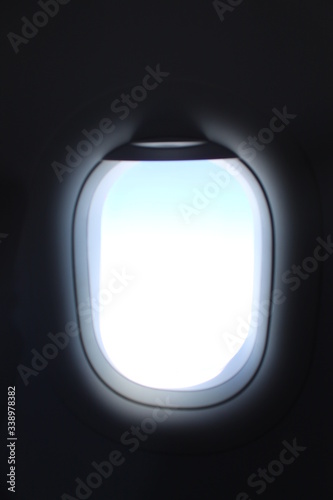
(270, 54)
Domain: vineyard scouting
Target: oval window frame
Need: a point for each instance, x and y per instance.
(183, 398)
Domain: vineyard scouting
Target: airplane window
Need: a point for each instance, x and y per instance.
(175, 252)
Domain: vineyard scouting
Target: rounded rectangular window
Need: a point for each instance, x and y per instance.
(178, 258)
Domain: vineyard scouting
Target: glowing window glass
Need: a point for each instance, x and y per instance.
(174, 253)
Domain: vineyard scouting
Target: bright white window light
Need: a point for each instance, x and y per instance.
(174, 252)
